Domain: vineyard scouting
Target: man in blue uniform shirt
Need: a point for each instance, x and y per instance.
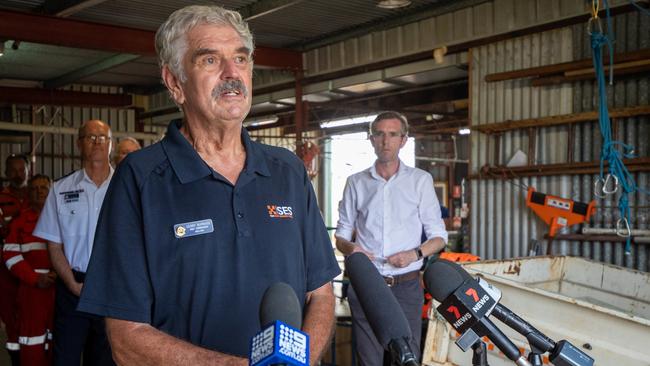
(68, 222)
(194, 229)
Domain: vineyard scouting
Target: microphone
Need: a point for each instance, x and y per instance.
(466, 305)
(280, 302)
(280, 342)
(443, 279)
(381, 308)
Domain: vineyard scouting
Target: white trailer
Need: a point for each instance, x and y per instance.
(600, 308)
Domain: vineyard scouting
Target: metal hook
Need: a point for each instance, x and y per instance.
(590, 25)
(597, 188)
(624, 232)
(609, 176)
(605, 181)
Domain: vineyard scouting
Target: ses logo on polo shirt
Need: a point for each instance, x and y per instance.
(280, 212)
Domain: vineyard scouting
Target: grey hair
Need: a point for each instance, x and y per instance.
(391, 115)
(82, 129)
(171, 43)
(133, 140)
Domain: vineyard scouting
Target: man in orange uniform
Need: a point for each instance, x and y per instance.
(13, 197)
(26, 257)
(12, 200)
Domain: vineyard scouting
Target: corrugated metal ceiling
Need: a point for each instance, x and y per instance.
(296, 24)
(285, 23)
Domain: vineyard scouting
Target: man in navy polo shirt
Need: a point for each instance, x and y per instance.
(195, 228)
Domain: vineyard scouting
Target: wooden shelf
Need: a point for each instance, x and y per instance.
(577, 168)
(562, 68)
(560, 120)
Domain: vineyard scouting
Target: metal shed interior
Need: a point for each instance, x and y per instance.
(66, 61)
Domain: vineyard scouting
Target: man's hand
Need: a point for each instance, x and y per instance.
(403, 259)
(348, 248)
(45, 280)
(76, 288)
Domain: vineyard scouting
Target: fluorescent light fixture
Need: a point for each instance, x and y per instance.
(260, 121)
(464, 131)
(393, 4)
(434, 117)
(348, 121)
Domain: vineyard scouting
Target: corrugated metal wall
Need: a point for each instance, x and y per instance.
(501, 225)
(57, 154)
(474, 22)
(453, 148)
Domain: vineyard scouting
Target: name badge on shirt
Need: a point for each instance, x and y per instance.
(193, 228)
(71, 196)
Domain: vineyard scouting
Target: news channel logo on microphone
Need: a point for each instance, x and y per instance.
(280, 343)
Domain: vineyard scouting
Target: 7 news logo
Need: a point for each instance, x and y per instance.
(281, 212)
(465, 306)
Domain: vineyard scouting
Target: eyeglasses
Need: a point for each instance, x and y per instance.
(95, 139)
(382, 134)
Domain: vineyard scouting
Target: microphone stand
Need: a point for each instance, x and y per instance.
(479, 358)
(535, 358)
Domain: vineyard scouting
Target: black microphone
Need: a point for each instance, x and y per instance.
(465, 305)
(442, 278)
(382, 310)
(280, 302)
(281, 342)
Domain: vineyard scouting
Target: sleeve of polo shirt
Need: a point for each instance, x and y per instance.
(117, 282)
(429, 209)
(347, 212)
(47, 226)
(319, 253)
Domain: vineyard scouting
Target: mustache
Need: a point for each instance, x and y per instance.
(228, 86)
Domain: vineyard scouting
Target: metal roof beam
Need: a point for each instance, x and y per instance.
(24, 127)
(432, 94)
(89, 70)
(264, 7)
(65, 8)
(78, 34)
(63, 97)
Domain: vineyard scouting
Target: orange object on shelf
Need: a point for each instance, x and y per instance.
(558, 212)
(309, 152)
(460, 257)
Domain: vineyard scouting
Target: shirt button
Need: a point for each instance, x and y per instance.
(240, 215)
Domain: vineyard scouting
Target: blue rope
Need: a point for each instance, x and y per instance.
(611, 150)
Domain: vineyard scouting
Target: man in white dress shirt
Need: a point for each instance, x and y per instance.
(68, 223)
(386, 208)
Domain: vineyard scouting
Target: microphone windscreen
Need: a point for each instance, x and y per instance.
(442, 278)
(280, 303)
(380, 306)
